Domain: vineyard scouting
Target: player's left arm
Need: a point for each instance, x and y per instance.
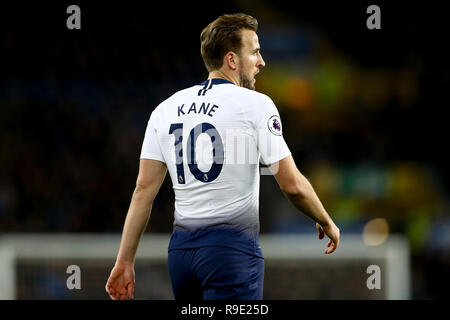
(151, 175)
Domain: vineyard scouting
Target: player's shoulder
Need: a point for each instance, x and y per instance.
(251, 94)
(246, 98)
(256, 99)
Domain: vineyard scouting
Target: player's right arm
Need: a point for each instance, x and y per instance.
(296, 187)
(301, 194)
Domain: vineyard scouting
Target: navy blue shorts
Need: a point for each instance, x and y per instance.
(215, 273)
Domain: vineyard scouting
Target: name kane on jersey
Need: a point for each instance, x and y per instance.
(204, 108)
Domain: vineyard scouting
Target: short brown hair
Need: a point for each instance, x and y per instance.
(224, 35)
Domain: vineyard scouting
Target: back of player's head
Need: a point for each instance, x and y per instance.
(224, 35)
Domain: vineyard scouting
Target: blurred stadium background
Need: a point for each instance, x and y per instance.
(362, 112)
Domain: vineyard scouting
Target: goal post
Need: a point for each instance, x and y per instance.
(35, 266)
(7, 272)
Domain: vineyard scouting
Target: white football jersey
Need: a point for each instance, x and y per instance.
(212, 137)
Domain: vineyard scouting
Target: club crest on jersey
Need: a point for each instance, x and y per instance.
(274, 125)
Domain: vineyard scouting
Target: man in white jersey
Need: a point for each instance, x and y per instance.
(211, 138)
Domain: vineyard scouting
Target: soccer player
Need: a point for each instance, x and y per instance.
(211, 138)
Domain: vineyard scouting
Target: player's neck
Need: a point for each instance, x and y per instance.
(222, 75)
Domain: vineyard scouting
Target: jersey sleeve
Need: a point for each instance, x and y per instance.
(150, 147)
(271, 144)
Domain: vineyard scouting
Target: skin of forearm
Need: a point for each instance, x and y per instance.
(307, 201)
(135, 223)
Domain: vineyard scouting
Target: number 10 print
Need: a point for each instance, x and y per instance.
(218, 154)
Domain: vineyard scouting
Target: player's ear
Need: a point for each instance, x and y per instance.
(231, 60)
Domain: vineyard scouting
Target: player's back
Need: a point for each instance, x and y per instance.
(210, 138)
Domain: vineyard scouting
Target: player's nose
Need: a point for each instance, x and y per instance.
(261, 62)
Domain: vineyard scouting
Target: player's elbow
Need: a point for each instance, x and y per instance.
(142, 184)
(290, 179)
(293, 191)
(142, 189)
(294, 187)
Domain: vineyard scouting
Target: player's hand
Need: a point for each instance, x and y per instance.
(120, 285)
(332, 231)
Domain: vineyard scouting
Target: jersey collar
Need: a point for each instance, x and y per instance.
(216, 81)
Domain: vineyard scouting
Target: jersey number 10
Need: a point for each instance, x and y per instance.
(218, 154)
